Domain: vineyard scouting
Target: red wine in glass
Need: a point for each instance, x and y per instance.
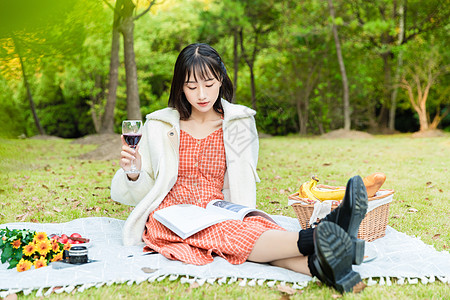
(132, 133)
(132, 139)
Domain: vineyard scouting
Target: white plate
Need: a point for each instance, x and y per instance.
(370, 253)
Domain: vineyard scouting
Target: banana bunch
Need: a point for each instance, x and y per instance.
(310, 190)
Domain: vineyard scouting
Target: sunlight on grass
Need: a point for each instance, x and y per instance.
(44, 181)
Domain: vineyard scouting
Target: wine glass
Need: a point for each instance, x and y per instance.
(132, 133)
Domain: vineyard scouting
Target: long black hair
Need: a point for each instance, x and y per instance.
(198, 60)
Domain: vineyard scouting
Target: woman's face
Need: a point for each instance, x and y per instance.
(201, 93)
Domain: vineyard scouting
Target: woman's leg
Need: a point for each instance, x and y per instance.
(296, 264)
(279, 248)
(274, 245)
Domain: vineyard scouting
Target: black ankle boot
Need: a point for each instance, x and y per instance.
(350, 213)
(332, 260)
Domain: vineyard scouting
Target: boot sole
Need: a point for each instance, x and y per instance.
(334, 251)
(360, 205)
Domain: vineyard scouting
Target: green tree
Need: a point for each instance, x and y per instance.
(125, 15)
(423, 71)
(346, 102)
(31, 32)
(381, 22)
(261, 19)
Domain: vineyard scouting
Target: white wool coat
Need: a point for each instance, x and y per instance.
(159, 149)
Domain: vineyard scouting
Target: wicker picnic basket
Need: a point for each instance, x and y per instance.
(372, 227)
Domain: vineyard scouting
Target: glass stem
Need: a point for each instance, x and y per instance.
(133, 164)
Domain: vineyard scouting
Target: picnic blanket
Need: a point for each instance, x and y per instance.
(396, 255)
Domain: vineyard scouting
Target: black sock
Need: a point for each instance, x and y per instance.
(311, 266)
(305, 241)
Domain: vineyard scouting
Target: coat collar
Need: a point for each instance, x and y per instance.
(231, 112)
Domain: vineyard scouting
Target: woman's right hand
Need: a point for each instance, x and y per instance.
(126, 156)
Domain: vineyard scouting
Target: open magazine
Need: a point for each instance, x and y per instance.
(187, 219)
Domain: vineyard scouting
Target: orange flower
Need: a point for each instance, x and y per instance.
(57, 257)
(16, 244)
(55, 246)
(29, 249)
(43, 247)
(40, 236)
(23, 265)
(67, 246)
(39, 263)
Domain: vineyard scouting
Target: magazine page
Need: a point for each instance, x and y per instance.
(186, 219)
(236, 211)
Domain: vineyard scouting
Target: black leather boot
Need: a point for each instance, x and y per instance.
(332, 260)
(350, 213)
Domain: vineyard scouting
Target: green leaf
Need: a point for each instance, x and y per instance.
(13, 263)
(18, 255)
(338, 21)
(6, 254)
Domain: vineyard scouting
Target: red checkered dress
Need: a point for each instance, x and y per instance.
(200, 179)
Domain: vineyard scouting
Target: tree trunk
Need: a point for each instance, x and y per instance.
(27, 86)
(398, 70)
(423, 119)
(438, 118)
(127, 28)
(302, 113)
(108, 116)
(96, 99)
(250, 62)
(235, 63)
(387, 69)
(252, 85)
(347, 121)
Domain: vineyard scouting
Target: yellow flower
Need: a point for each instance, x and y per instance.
(43, 247)
(55, 246)
(29, 249)
(23, 265)
(57, 257)
(67, 246)
(39, 263)
(40, 236)
(16, 244)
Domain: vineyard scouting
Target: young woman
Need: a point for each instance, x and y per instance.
(203, 148)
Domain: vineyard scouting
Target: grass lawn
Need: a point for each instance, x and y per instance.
(44, 181)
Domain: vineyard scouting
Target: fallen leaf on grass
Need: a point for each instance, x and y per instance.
(11, 297)
(148, 270)
(101, 188)
(436, 236)
(22, 217)
(326, 164)
(286, 289)
(412, 210)
(396, 216)
(194, 285)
